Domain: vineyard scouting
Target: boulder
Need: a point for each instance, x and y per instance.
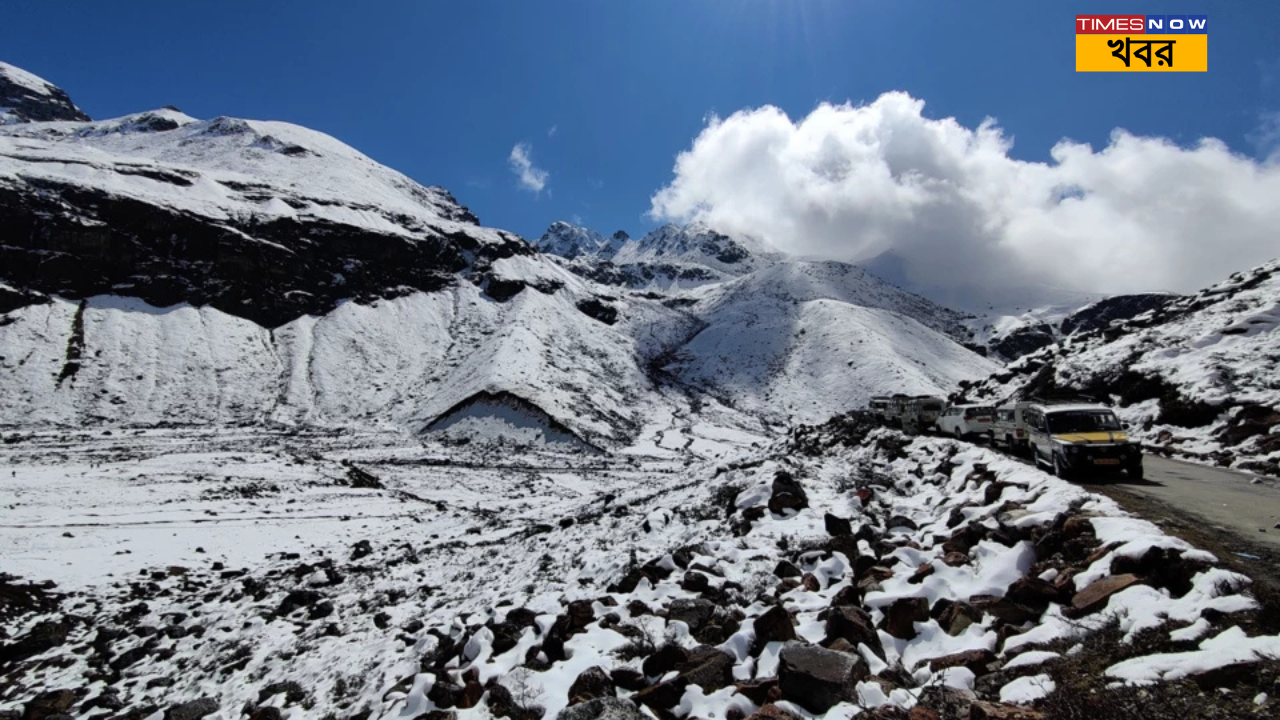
(1095, 597)
(1032, 592)
(592, 683)
(603, 709)
(709, 669)
(774, 625)
(977, 661)
(817, 679)
(664, 660)
(694, 612)
(853, 625)
(786, 569)
(999, 711)
(192, 710)
(627, 678)
(1004, 609)
(837, 525)
(900, 617)
(769, 711)
(787, 493)
(48, 704)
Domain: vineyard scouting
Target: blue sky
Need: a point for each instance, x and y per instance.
(443, 91)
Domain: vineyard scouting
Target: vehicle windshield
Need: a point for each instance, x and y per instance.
(933, 407)
(978, 411)
(1079, 421)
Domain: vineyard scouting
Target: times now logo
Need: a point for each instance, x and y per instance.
(1141, 24)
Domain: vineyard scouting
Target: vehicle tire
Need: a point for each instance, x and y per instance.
(991, 440)
(959, 435)
(1060, 468)
(1134, 472)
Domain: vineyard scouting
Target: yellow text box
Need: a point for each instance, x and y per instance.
(1190, 53)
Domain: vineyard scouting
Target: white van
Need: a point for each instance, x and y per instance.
(964, 421)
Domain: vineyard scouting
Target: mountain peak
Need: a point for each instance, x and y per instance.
(26, 97)
(571, 241)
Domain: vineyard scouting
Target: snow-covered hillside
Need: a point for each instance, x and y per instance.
(1198, 375)
(396, 362)
(804, 339)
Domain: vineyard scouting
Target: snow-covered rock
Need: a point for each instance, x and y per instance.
(25, 97)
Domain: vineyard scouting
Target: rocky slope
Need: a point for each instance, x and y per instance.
(1009, 337)
(1196, 375)
(846, 571)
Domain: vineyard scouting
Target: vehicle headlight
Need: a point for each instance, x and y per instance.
(1071, 449)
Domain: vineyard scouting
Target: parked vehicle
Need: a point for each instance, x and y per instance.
(879, 405)
(1075, 438)
(964, 421)
(1009, 429)
(914, 413)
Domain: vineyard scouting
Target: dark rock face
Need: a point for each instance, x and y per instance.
(78, 242)
(27, 104)
(1121, 307)
(593, 307)
(1023, 341)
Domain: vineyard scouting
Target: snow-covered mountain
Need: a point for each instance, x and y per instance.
(25, 97)
(571, 241)
(800, 338)
(668, 258)
(158, 268)
(1196, 375)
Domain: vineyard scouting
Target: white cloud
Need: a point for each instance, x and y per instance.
(552, 131)
(530, 178)
(852, 182)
